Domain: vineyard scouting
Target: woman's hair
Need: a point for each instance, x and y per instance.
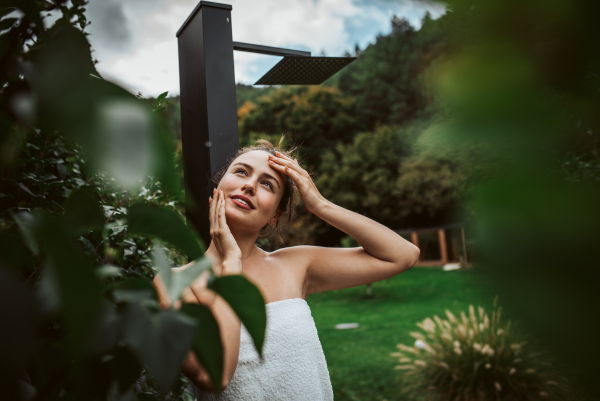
(288, 199)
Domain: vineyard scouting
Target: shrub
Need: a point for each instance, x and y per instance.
(88, 182)
(476, 357)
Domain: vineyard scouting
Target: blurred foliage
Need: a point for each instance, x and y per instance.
(522, 78)
(477, 357)
(90, 209)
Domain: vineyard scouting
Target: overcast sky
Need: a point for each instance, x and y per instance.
(135, 43)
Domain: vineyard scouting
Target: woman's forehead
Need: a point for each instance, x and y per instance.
(259, 160)
(260, 157)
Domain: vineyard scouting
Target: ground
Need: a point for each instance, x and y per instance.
(359, 360)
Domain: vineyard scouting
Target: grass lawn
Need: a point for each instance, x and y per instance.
(359, 359)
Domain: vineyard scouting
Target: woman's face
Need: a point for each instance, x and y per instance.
(252, 191)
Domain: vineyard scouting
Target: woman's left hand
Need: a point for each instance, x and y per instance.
(311, 196)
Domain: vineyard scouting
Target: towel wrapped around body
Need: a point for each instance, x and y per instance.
(293, 365)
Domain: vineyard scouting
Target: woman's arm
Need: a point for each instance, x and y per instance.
(229, 324)
(229, 327)
(382, 254)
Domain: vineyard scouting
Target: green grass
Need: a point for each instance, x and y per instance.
(359, 359)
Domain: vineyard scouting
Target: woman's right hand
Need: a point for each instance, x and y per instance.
(229, 251)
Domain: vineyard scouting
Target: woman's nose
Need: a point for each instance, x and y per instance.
(249, 186)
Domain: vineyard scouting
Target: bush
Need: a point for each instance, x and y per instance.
(476, 358)
(88, 183)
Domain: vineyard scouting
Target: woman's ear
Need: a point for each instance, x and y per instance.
(276, 217)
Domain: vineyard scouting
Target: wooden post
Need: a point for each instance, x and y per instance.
(454, 241)
(462, 230)
(443, 248)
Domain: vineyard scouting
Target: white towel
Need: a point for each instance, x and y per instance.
(293, 366)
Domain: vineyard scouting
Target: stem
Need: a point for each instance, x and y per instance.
(107, 220)
(32, 273)
(114, 209)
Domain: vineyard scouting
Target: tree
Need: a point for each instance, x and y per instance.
(317, 118)
(382, 176)
(386, 79)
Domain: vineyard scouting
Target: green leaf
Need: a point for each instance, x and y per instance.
(138, 333)
(26, 223)
(165, 224)
(140, 284)
(48, 291)
(207, 341)
(83, 211)
(175, 335)
(29, 7)
(247, 302)
(106, 329)
(24, 188)
(13, 251)
(78, 285)
(109, 271)
(160, 341)
(160, 98)
(176, 281)
(20, 319)
(146, 397)
(125, 368)
(6, 10)
(7, 23)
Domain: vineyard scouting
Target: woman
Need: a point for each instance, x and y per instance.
(253, 192)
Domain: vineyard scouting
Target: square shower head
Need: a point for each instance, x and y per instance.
(304, 70)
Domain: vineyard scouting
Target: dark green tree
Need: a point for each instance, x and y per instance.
(382, 176)
(386, 79)
(316, 118)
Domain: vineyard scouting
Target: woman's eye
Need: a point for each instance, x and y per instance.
(267, 183)
(239, 170)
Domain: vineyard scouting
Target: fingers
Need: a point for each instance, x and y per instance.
(294, 175)
(288, 162)
(221, 215)
(287, 157)
(213, 211)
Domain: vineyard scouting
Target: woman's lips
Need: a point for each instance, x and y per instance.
(240, 204)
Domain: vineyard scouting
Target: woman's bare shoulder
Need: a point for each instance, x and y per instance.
(293, 256)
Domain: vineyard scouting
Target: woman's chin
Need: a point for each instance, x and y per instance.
(239, 220)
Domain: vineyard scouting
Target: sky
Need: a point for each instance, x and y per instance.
(135, 43)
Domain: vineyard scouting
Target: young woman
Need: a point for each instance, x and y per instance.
(253, 192)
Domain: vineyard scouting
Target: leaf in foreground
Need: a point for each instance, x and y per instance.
(207, 341)
(247, 302)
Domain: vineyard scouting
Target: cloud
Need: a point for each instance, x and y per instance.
(136, 44)
(110, 27)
